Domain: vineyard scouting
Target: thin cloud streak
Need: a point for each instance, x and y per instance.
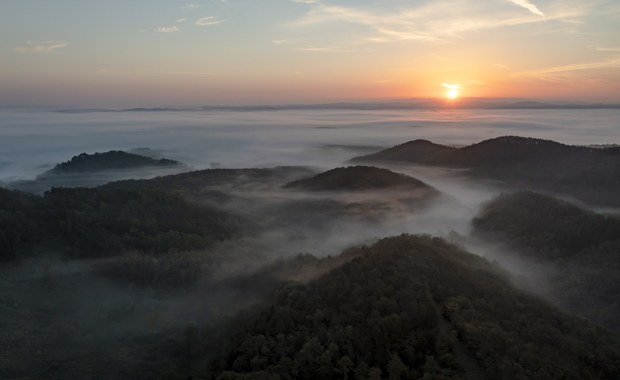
(197, 73)
(208, 21)
(429, 22)
(529, 6)
(605, 64)
(45, 47)
(168, 29)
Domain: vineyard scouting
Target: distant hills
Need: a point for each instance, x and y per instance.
(589, 174)
(408, 307)
(358, 178)
(404, 104)
(582, 246)
(112, 160)
(87, 170)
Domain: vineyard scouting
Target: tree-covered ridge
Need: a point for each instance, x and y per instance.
(355, 178)
(206, 181)
(94, 222)
(114, 159)
(412, 151)
(546, 227)
(415, 307)
(590, 174)
(582, 246)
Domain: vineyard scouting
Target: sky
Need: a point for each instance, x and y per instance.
(93, 53)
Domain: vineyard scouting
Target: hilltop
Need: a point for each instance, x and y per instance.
(358, 178)
(590, 174)
(112, 160)
(406, 307)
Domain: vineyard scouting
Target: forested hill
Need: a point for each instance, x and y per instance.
(358, 178)
(101, 222)
(590, 174)
(112, 160)
(417, 151)
(410, 307)
(544, 227)
(582, 246)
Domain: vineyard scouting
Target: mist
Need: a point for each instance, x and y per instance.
(78, 320)
(33, 140)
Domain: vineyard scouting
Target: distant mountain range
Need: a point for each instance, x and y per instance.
(112, 160)
(464, 103)
(589, 174)
(97, 169)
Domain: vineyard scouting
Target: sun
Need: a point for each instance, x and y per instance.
(452, 94)
(453, 90)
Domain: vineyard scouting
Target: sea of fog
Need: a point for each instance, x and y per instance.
(33, 140)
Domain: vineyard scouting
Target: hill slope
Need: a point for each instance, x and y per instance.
(411, 151)
(358, 178)
(590, 174)
(412, 307)
(112, 160)
(583, 247)
(97, 222)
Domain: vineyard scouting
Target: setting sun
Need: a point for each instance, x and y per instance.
(453, 90)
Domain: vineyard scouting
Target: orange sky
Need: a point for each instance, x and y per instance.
(166, 52)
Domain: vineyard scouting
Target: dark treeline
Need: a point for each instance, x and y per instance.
(114, 159)
(96, 222)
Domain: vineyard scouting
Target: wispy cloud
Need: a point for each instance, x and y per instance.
(434, 21)
(168, 29)
(44, 47)
(529, 6)
(613, 62)
(323, 49)
(208, 21)
(611, 49)
(189, 73)
(181, 19)
(451, 86)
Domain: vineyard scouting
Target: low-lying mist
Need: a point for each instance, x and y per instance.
(108, 317)
(32, 140)
(81, 317)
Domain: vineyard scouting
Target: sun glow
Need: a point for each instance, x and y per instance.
(453, 90)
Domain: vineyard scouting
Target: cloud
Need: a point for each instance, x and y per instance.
(434, 21)
(44, 47)
(208, 21)
(191, 73)
(168, 29)
(609, 63)
(323, 49)
(451, 86)
(181, 20)
(612, 49)
(528, 5)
